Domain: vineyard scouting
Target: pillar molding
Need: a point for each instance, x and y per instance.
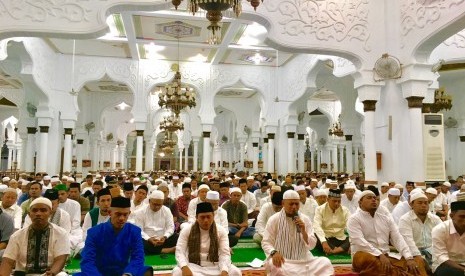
(80, 141)
(300, 136)
(271, 136)
(140, 132)
(348, 137)
(206, 134)
(369, 105)
(415, 102)
(44, 129)
(255, 145)
(290, 135)
(31, 130)
(68, 131)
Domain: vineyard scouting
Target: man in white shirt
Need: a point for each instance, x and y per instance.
(445, 189)
(321, 196)
(175, 188)
(249, 199)
(9, 206)
(203, 247)
(268, 209)
(449, 243)
(392, 200)
(157, 224)
(349, 199)
(416, 227)
(307, 204)
(74, 210)
(403, 208)
(383, 191)
(221, 216)
(201, 197)
(138, 202)
(274, 188)
(370, 233)
(440, 203)
(261, 193)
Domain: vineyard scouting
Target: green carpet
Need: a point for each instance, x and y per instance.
(245, 251)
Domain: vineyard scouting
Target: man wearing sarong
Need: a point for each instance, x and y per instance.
(203, 247)
(370, 231)
(114, 247)
(287, 242)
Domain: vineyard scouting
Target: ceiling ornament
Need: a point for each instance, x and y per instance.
(215, 10)
(171, 123)
(336, 130)
(168, 144)
(442, 101)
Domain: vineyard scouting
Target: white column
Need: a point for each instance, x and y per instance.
(68, 150)
(333, 150)
(242, 151)
(102, 156)
(19, 154)
(290, 152)
(206, 152)
(113, 156)
(230, 156)
(196, 153)
(122, 156)
(349, 159)
(186, 157)
(356, 160)
(312, 159)
(10, 156)
(265, 154)
(371, 173)
(417, 172)
(271, 152)
(255, 157)
(42, 156)
(180, 158)
(95, 154)
(301, 155)
(318, 164)
(139, 150)
(148, 154)
(341, 158)
(79, 149)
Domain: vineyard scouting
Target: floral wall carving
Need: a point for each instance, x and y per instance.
(457, 40)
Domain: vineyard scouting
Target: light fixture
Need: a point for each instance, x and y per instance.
(168, 143)
(122, 106)
(171, 123)
(442, 101)
(215, 10)
(336, 130)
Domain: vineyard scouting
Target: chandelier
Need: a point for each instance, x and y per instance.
(171, 123)
(168, 144)
(442, 101)
(336, 130)
(215, 10)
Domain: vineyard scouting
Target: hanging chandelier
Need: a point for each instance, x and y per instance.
(442, 101)
(215, 10)
(171, 123)
(336, 130)
(168, 144)
(177, 96)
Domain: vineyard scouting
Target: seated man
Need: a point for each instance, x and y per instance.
(74, 210)
(370, 232)
(237, 215)
(416, 227)
(349, 198)
(249, 199)
(403, 208)
(287, 242)
(392, 199)
(321, 196)
(8, 206)
(329, 224)
(157, 224)
(74, 193)
(41, 248)
(114, 247)
(7, 228)
(138, 202)
(449, 243)
(203, 247)
(268, 209)
(273, 189)
(201, 196)
(307, 205)
(183, 202)
(221, 217)
(261, 193)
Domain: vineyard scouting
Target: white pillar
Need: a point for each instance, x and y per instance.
(68, 150)
(196, 153)
(301, 155)
(180, 158)
(318, 164)
(255, 157)
(102, 156)
(417, 173)
(113, 156)
(333, 150)
(148, 155)
(312, 159)
(139, 150)
(122, 156)
(19, 154)
(265, 155)
(95, 154)
(242, 152)
(42, 156)
(349, 159)
(271, 152)
(371, 173)
(290, 152)
(206, 152)
(341, 158)
(186, 157)
(10, 156)
(230, 156)
(356, 160)
(79, 151)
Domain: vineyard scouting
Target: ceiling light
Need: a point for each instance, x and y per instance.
(131, 121)
(122, 106)
(198, 58)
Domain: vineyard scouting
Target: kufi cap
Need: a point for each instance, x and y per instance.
(462, 187)
(457, 205)
(291, 194)
(51, 194)
(128, 186)
(203, 186)
(175, 177)
(276, 188)
(394, 192)
(416, 196)
(54, 180)
(432, 191)
(447, 184)
(314, 180)
(47, 177)
(158, 180)
(70, 179)
(213, 195)
(186, 185)
(10, 190)
(461, 196)
(235, 190)
(271, 183)
(350, 186)
(64, 178)
(157, 195)
(398, 186)
(42, 200)
(250, 178)
(121, 202)
(145, 175)
(334, 193)
(350, 182)
(328, 181)
(299, 188)
(204, 207)
(334, 182)
(384, 184)
(163, 184)
(98, 175)
(321, 192)
(236, 177)
(5, 179)
(187, 180)
(3, 187)
(228, 179)
(416, 190)
(136, 179)
(61, 187)
(24, 183)
(365, 193)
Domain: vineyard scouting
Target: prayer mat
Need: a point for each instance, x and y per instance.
(339, 271)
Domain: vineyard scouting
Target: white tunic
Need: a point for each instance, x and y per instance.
(387, 204)
(175, 191)
(352, 205)
(74, 210)
(265, 213)
(192, 208)
(15, 212)
(249, 199)
(221, 218)
(401, 209)
(447, 244)
(309, 208)
(155, 224)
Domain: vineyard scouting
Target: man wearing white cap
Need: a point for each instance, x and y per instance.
(237, 215)
(431, 194)
(221, 216)
(445, 189)
(41, 248)
(383, 191)
(370, 233)
(6, 180)
(157, 224)
(392, 200)
(249, 199)
(175, 188)
(349, 198)
(307, 205)
(416, 227)
(9, 206)
(314, 185)
(441, 206)
(268, 209)
(47, 185)
(201, 197)
(288, 239)
(274, 188)
(453, 196)
(403, 208)
(321, 196)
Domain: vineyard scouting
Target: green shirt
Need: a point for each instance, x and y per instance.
(236, 213)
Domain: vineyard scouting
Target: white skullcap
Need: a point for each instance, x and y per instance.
(203, 186)
(54, 180)
(350, 186)
(394, 192)
(290, 194)
(299, 188)
(228, 179)
(158, 180)
(163, 184)
(416, 190)
(276, 188)
(236, 177)
(157, 195)
(70, 179)
(10, 190)
(320, 192)
(175, 177)
(271, 183)
(314, 180)
(153, 188)
(334, 182)
(213, 195)
(5, 179)
(432, 191)
(98, 175)
(42, 200)
(235, 190)
(350, 182)
(365, 193)
(447, 184)
(136, 179)
(462, 187)
(3, 187)
(187, 180)
(145, 175)
(328, 181)
(384, 184)
(250, 178)
(416, 196)
(47, 177)
(399, 186)
(24, 183)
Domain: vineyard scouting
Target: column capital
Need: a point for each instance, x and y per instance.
(206, 134)
(462, 138)
(255, 145)
(369, 105)
(290, 135)
(265, 140)
(80, 141)
(44, 129)
(415, 102)
(68, 131)
(140, 132)
(31, 130)
(300, 136)
(271, 136)
(348, 137)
